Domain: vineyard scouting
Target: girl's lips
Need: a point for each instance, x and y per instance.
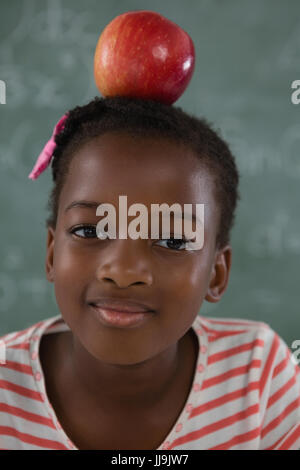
(121, 305)
(119, 318)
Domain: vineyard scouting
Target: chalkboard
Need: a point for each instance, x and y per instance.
(247, 56)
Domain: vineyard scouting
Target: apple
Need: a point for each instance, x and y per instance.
(143, 54)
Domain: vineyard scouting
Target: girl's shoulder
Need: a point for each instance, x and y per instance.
(19, 342)
(231, 322)
(237, 334)
(217, 327)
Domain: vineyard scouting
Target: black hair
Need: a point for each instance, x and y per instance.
(148, 118)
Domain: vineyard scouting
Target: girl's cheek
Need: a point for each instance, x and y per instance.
(189, 274)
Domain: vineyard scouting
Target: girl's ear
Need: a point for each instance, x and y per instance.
(220, 275)
(49, 255)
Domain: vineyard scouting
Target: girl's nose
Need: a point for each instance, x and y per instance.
(125, 263)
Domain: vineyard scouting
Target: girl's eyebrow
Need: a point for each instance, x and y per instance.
(82, 204)
(93, 204)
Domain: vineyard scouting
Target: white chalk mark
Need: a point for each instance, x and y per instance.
(13, 259)
(288, 57)
(24, 27)
(8, 292)
(37, 288)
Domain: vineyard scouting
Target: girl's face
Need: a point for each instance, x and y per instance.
(174, 282)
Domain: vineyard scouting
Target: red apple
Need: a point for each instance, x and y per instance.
(143, 54)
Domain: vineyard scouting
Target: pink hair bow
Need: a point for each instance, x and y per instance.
(45, 156)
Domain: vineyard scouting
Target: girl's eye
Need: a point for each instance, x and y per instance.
(172, 243)
(175, 243)
(85, 229)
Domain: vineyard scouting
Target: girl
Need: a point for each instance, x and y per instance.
(157, 375)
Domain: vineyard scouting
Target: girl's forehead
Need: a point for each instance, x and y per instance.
(146, 170)
(120, 161)
(120, 150)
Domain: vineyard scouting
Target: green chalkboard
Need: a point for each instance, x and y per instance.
(247, 56)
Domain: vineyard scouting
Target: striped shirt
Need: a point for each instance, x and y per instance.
(245, 392)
